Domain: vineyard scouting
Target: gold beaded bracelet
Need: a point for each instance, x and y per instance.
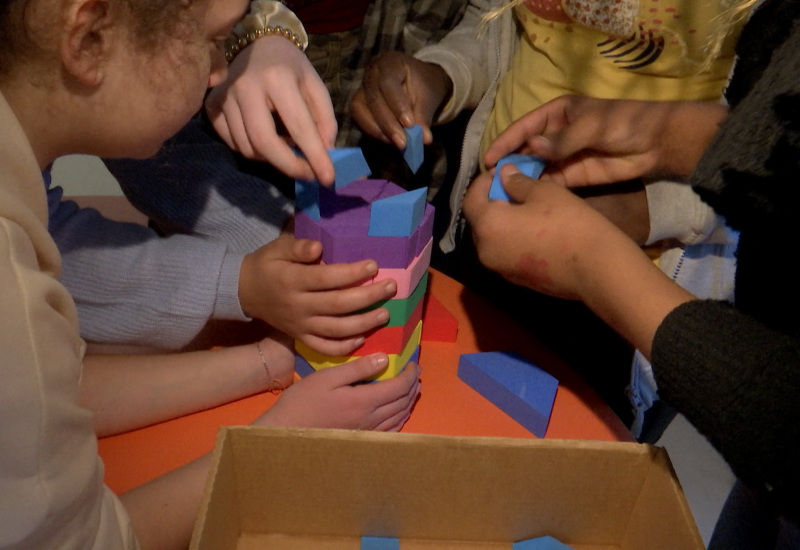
(266, 17)
(232, 49)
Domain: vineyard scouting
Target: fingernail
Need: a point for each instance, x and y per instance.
(383, 315)
(380, 360)
(391, 288)
(372, 268)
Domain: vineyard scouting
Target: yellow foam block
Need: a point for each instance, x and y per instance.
(396, 361)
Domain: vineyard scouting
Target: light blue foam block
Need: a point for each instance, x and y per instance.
(527, 164)
(398, 215)
(349, 165)
(414, 153)
(540, 543)
(521, 389)
(379, 543)
(306, 198)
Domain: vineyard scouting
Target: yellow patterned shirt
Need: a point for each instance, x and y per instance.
(624, 49)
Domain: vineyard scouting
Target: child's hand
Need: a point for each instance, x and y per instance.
(329, 399)
(552, 241)
(284, 284)
(544, 239)
(399, 91)
(273, 79)
(591, 141)
(628, 210)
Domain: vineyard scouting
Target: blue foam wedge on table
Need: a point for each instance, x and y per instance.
(518, 387)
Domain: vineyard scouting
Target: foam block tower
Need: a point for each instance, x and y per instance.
(358, 219)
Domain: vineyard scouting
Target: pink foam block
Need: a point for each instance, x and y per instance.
(407, 279)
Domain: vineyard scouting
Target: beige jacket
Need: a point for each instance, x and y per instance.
(51, 478)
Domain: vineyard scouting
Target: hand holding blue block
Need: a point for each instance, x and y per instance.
(529, 165)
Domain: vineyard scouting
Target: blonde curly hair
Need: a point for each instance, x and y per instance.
(149, 20)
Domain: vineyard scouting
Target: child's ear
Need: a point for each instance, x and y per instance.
(88, 39)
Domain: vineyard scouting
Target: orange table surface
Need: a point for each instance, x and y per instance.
(446, 406)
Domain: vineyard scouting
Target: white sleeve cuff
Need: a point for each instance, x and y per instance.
(677, 212)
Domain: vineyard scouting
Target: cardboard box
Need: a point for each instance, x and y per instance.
(296, 489)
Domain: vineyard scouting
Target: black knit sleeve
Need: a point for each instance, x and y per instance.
(738, 382)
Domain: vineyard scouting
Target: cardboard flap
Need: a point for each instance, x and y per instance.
(218, 523)
(661, 510)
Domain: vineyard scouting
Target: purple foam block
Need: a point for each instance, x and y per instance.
(344, 225)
